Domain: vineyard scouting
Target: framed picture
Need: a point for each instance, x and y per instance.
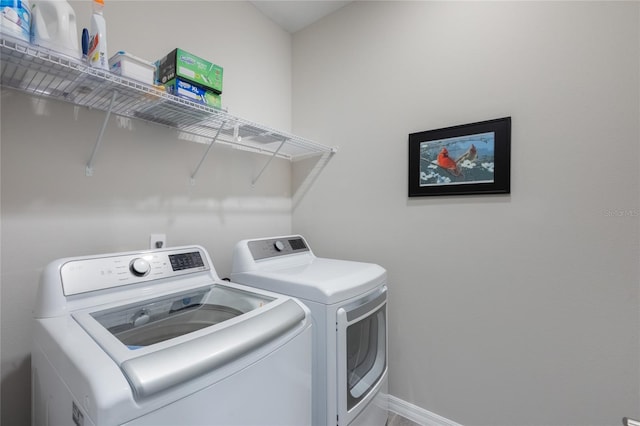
(461, 160)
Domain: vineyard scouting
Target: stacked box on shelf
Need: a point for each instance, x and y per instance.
(189, 76)
(186, 89)
(127, 65)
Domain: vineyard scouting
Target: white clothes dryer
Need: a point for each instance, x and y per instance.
(348, 303)
(156, 338)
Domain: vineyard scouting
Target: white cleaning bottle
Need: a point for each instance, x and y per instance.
(98, 38)
(53, 25)
(15, 18)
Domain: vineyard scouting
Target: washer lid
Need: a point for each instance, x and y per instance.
(169, 340)
(321, 280)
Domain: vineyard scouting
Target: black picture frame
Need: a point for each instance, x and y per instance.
(468, 159)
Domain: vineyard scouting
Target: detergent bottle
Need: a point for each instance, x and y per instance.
(98, 38)
(54, 27)
(15, 18)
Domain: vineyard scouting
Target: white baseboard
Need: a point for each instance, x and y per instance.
(417, 414)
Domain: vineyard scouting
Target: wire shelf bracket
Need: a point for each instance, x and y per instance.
(206, 153)
(96, 147)
(255, 179)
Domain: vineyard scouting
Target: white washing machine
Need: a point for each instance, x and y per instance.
(156, 338)
(348, 304)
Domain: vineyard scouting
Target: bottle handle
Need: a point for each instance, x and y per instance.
(63, 18)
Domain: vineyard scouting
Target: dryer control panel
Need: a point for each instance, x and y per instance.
(264, 249)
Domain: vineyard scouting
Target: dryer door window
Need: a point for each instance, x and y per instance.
(361, 354)
(365, 355)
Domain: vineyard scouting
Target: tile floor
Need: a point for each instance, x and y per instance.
(398, 420)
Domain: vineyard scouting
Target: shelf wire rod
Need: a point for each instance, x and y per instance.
(206, 153)
(89, 168)
(253, 182)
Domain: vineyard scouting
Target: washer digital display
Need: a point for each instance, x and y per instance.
(183, 261)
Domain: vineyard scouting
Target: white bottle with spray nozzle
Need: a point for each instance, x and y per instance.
(98, 38)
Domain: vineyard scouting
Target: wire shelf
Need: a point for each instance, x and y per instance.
(41, 72)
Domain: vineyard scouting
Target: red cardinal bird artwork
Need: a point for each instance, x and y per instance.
(447, 163)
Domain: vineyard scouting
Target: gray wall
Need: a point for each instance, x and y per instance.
(504, 310)
(50, 209)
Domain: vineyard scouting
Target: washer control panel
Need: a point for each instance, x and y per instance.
(91, 274)
(264, 249)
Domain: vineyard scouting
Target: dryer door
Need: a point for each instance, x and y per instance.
(362, 353)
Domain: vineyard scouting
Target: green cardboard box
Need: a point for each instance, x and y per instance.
(189, 67)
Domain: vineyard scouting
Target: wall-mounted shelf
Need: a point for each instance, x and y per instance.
(48, 74)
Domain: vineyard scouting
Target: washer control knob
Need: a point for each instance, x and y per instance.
(279, 245)
(139, 267)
